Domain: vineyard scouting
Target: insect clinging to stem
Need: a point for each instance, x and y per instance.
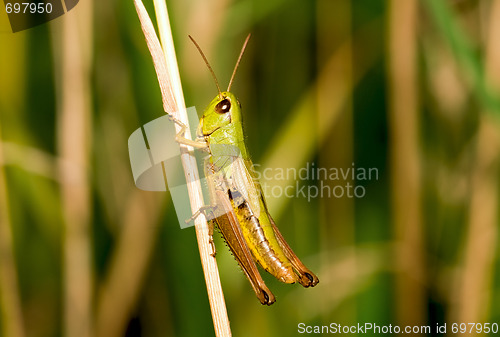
(237, 201)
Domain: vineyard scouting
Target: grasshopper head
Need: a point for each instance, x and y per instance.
(224, 109)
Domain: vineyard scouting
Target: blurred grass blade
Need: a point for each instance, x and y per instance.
(334, 28)
(10, 301)
(300, 122)
(12, 84)
(472, 297)
(475, 289)
(118, 295)
(464, 52)
(30, 159)
(405, 162)
(74, 44)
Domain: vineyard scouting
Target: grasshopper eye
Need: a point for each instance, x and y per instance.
(223, 106)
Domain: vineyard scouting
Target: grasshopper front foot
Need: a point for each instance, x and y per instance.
(179, 137)
(205, 210)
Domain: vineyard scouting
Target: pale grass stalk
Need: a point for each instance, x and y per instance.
(173, 101)
(405, 161)
(474, 293)
(73, 38)
(10, 302)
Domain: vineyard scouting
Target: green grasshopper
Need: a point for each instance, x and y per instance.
(237, 205)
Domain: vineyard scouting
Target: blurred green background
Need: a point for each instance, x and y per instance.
(410, 88)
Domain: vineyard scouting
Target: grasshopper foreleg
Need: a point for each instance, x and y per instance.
(179, 137)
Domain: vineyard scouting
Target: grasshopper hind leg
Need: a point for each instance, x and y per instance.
(306, 277)
(232, 234)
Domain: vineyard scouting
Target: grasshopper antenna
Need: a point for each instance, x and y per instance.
(238, 62)
(208, 65)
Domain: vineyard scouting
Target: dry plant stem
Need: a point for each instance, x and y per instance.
(405, 163)
(169, 79)
(159, 62)
(73, 132)
(474, 292)
(10, 303)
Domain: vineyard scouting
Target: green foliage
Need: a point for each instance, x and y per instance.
(314, 88)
